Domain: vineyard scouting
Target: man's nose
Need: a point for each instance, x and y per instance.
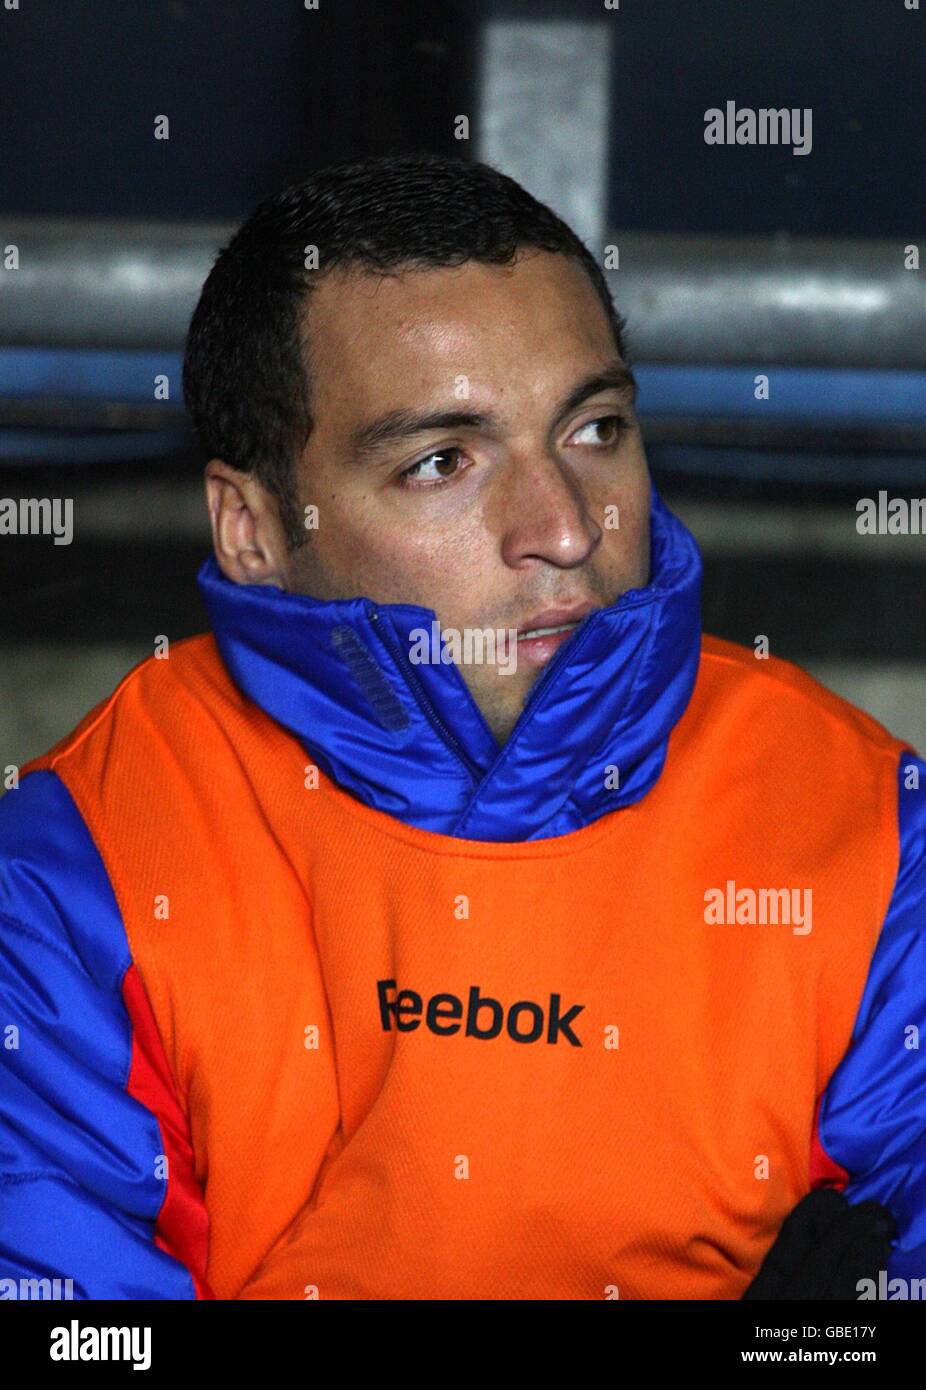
(545, 514)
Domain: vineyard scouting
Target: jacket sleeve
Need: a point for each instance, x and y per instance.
(96, 1170)
(871, 1127)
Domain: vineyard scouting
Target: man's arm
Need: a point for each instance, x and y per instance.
(96, 1170)
(868, 1157)
(871, 1130)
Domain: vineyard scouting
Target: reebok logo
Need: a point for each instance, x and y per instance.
(525, 1021)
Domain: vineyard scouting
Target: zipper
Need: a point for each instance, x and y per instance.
(543, 681)
(424, 701)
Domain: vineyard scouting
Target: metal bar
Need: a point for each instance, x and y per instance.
(791, 301)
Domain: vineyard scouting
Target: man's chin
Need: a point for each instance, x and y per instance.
(502, 703)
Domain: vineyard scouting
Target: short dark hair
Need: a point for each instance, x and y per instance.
(246, 367)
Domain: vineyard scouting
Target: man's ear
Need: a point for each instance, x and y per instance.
(247, 535)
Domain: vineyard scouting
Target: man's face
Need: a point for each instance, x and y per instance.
(494, 517)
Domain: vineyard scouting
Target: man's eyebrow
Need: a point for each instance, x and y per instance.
(402, 424)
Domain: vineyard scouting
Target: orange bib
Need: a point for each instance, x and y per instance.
(421, 1067)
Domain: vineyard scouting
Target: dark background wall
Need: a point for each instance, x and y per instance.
(257, 93)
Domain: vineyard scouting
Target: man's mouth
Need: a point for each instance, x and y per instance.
(545, 631)
(555, 620)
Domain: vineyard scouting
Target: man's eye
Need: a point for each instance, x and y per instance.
(446, 461)
(445, 471)
(613, 426)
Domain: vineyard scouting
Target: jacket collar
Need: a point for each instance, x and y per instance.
(409, 740)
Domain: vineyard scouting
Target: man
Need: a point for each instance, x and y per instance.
(565, 966)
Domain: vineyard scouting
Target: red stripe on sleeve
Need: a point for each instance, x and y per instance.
(182, 1228)
(824, 1171)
